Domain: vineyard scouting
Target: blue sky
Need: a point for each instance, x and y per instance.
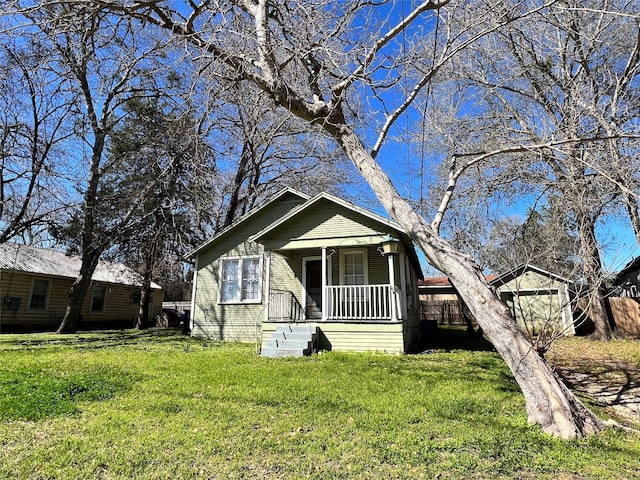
(618, 243)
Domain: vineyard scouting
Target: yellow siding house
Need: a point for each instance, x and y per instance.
(35, 283)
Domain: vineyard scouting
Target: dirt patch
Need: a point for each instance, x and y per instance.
(608, 373)
(616, 390)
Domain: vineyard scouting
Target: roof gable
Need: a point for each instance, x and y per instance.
(329, 214)
(285, 195)
(522, 270)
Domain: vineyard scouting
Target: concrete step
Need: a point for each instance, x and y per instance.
(287, 343)
(282, 352)
(291, 336)
(290, 340)
(296, 328)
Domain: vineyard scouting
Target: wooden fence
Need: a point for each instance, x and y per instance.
(624, 311)
(445, 312)
(626, 314)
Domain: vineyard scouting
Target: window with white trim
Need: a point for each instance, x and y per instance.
(354, 267)
(39, 293)
(241, 279)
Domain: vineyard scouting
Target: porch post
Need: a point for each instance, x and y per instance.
(392, 284)
(324, 283)
(402, 263)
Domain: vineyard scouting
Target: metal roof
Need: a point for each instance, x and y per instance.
(24, 258)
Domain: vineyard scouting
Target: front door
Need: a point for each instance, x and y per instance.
(313, 288)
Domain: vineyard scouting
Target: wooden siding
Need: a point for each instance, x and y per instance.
(538, 312)
(325, 223)
(286, 272)
(356, 337)
(119, 309)
(539, 303)
(412, 330)
(235, 322)
(530, 280)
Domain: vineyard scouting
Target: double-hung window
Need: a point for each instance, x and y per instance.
(98, 298)
(39, 293)
(240, 279)
(354, 267)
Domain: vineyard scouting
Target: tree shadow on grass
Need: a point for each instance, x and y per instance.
(34, 395)
(613, 385)
(447, 338)
(91, 339)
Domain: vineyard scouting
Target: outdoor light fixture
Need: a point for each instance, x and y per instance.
(389, 245)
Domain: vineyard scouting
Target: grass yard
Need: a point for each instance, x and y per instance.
(157, 405)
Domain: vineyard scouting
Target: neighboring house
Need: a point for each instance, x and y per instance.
(537, 299)
(315, 261)
(627, 280)
(35, 283)
(624, 299)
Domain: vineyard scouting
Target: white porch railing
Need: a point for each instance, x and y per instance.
(284, 306)
(362, 302)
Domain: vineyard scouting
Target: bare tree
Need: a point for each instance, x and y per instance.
(558, 112)
(102, 62)
(316, 62)
(262, 149)
(34, 124)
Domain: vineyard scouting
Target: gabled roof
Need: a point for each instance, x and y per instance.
(15, 257)
(311, 202)
(441, 282)
(278, 196)
(508, 276)
(629, 267)
(326, 196)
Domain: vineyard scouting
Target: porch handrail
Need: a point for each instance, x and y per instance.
(261, 312)
(362, 302)
(285, 305)
(272, 295)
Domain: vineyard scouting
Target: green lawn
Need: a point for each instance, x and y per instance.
(159, 405)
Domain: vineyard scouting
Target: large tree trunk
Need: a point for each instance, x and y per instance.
(91, 248)
(593, 273)
(634, 216)
(142, 321)
(549, 402)
(78, 292)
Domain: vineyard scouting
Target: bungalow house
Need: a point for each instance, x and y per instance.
(35, 283)
(349, 274)
(538, 300)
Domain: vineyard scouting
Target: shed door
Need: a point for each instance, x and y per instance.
(313, 287)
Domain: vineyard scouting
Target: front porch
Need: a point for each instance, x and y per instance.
(351, 336)
(342, 269)
(342, 303)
